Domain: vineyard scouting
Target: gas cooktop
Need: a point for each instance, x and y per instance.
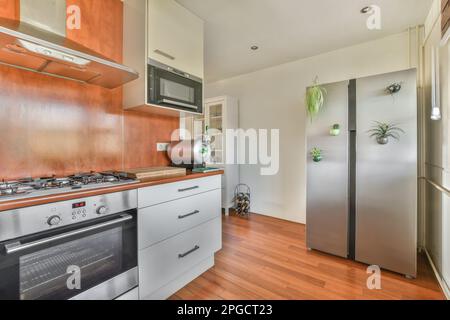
(29, 187)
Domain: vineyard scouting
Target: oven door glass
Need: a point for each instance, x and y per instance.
(67, 267)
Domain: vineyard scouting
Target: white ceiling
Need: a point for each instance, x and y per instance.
(287, 30)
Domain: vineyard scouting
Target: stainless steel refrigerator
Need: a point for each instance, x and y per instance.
(362, 195)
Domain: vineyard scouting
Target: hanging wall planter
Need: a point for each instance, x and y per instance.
(383, 131)
(315, 98)
(316, 154)
(394, 88)
(383, 140)
(335, 130)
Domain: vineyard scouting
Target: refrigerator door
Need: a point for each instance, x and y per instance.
(327, 181)
(386, 183)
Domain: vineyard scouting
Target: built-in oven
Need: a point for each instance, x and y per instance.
(81, 249)
(175, 89)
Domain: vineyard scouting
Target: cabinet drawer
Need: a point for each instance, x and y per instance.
(167, 192)
(164, 262)
(165, 220)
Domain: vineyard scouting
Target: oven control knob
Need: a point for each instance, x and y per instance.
(102, 210)
(54, 221)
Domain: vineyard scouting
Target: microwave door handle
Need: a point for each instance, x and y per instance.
(16, 247)
(176, 103)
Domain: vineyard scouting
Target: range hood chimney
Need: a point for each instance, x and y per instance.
(49, 15)
(38, 43)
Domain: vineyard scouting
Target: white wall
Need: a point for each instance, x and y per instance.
(274, 99)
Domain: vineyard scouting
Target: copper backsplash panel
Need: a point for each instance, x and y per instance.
(55, 126)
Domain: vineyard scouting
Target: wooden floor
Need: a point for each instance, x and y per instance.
(266, 258)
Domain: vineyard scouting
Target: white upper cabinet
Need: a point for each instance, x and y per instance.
(175, 36)
(171, 37)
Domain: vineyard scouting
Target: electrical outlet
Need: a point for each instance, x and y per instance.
(162, 147)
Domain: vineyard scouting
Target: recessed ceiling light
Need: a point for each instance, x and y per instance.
(366, 9)
(254, 48)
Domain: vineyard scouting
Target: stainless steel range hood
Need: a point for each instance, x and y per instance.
(37, 43)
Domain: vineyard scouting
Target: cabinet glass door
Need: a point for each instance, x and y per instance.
(193, 127)
(199, 125)
(214, 132)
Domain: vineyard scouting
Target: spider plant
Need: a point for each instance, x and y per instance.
(383, 131)
(315, 98)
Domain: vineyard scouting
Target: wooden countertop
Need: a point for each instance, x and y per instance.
(28, 202)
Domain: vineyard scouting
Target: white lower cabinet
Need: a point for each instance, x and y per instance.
(163, 221)
(164, 262)
(177, 237)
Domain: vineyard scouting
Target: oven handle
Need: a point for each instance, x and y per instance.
(179, 104)
(17, 247)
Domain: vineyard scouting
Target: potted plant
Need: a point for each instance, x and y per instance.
(394, 88)
(383, 131)
(316, 154)
(315, 98)
(335, 130)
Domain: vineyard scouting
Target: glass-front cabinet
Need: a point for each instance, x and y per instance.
(220, 114)
(214, 132)
(209, 127)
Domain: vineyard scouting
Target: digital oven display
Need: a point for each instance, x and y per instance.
(78, 205)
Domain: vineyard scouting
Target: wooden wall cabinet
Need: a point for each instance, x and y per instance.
(164, 31)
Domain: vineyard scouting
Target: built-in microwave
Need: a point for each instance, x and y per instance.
(174, 89)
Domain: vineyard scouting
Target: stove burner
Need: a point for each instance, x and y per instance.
(110, 178)
(76, 181)
(13, 187)
(94, 177)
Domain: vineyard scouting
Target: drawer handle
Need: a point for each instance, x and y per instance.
(188, 189)
(184, 255)
(189, 214)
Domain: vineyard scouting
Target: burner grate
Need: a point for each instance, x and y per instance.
(76, 181)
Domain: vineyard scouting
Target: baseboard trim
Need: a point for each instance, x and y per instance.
(441, 282)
